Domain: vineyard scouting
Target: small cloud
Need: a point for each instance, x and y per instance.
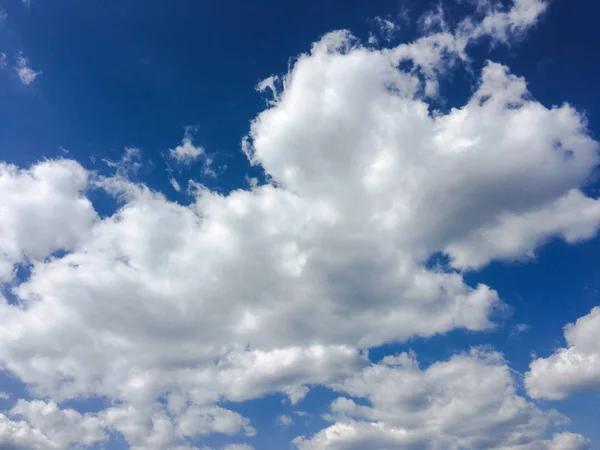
(26, 74)
(129, 163)
(64, 150)
(284, 421)
(591, 290)
(3, 60)
(519, 328)
(386, 28)
(269, 84)
(3, 16)
(4, 395)
(187, 153)
(252, 182)
(238, 447)
(175, 184)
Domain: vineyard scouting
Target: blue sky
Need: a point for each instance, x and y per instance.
(166, 285)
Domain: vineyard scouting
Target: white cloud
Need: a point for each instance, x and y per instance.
(175, 184)
(196, 421)
(47, 427)
(469, 401)
(386, 30)
(26, 74)
(570, 369)
(569, 441)
(282, 287)
(284, 421)
(4, 395)
(18, 435)
(129, 163)
(187, 153)
(43, 209)
(238, 447)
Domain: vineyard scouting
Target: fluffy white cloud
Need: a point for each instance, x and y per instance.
(18, 435)
(26, 74)
(43, 209)
(469, 401)
(61, 426)
(154, 428)
(570, 369)
(196, 421)
(44, 426)
(282, 287)
(569, 441)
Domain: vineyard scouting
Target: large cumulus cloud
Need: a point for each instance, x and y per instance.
(170, 309)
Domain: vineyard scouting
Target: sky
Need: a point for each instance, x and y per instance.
(316, 225)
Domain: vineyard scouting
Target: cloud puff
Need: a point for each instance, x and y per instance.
(469, 401)
(286, 286)
(187, 153)
(569, 441)
(26, 74)
(47, 427)
(570, 369)
(43, 209)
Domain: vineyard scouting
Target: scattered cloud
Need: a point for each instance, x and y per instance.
(26, 74)
(238, 447)
(385, 29)
(469, 401)
(128, 165)
(187, 153)
(175, 184)
(519, 328)
(284, 421)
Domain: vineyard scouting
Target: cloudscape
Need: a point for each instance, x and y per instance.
(317, 225)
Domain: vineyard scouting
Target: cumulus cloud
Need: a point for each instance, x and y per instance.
(43, 209)
(569, 441)
(47, 427)
(570, 369)
(26, 74)
(469, 401)
(170, 309)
